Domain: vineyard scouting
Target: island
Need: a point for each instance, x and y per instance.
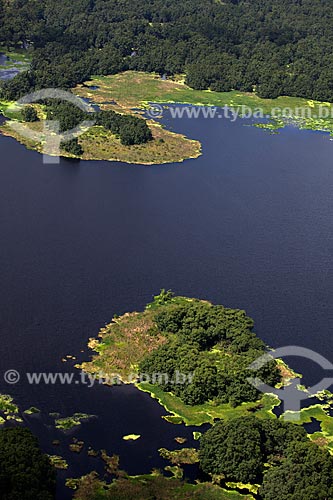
(127, 95)
(196, 358)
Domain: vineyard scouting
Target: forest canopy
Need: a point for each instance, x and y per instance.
(276, 47)
(25, 472)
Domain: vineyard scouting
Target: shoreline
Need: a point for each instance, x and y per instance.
(130, 90)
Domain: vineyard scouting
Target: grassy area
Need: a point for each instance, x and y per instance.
(100, 144)
(206, 413)
(9, 110)
(126, 341)
(121, 346)
(136, 89)
(127, 91)
(19, 59)
(319, 413)
(166, 147)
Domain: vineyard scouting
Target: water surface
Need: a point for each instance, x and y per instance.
(248, 224)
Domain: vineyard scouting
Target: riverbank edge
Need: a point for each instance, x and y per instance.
(173, 92)
(167, 147)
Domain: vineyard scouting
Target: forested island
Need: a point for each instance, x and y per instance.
(247, 447)
(195, 358)
(247, 51)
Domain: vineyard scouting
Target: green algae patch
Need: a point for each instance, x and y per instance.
(9, 411)
(184, 456)
(252, 488)
(9, 110)
(7, 405)
(180, 440)
(76, 446)
(31, 411)
(58, 462)
(131, 437)
(175, 470)
(68, 423)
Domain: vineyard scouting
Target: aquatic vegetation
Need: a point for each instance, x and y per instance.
(9, 411)
(131, 437)
(208, 412)
(92, 453)
(58, 462)
(153, 485)
(176, 471)
(180, 457)
(134, 89)
(68, 423)
(138, 346)
(7, 405)
(180, 440)
(121, 346)
(320, 413)
(252, 488)
(31, 411)
(76, 446)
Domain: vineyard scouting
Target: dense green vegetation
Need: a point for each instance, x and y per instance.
(210, 348)
(151, 487)
(29, 114)
(198, 351)
(269, 458)
(280, 47)
(25, 473)
(273, 453)
(129, 129)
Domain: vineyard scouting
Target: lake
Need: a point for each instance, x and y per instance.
(248, 224)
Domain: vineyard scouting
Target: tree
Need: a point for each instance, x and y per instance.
(29, 114)
(240, 448)
(234, 449)
(307, 473)
(73, 147)
(25, 472)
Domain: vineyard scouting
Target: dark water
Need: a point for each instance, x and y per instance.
(249, 225)
(8, 74)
